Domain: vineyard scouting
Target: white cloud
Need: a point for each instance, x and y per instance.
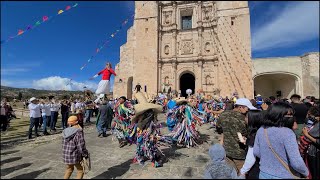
(296, 23)
(59, 83)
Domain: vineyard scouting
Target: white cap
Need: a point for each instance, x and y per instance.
(258, 95)
(245, 102)
(32, 99)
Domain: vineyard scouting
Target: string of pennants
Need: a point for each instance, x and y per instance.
(98, 49)
(39, 22)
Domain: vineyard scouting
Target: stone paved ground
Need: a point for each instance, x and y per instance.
(41, 158)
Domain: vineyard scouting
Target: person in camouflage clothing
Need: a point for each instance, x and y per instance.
(231, 122)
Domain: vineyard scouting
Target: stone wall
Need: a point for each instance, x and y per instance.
(310, 74)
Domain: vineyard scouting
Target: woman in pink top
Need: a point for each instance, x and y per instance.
(104, 84)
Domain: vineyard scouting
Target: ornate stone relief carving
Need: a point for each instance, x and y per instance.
(167, 17)
(186, 47)
(209, 79)
(206, 13)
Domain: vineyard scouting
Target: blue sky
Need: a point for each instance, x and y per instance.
(45, 57)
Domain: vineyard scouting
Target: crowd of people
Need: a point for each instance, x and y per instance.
(260, 138)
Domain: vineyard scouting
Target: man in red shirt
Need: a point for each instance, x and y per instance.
(104, 84)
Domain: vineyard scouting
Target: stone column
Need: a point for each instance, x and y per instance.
(160, 72)
(200, 70)
(174, 14)
(174, 43)
(216, 70)
(174, 75)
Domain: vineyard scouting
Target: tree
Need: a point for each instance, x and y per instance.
(20, 96)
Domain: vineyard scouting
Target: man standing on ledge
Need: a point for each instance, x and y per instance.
(138, 87)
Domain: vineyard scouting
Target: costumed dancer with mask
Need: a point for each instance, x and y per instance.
(104, 84)
(185, 133)
(148, 134)
(122, 125)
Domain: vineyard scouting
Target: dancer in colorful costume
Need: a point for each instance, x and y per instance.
(148, 133)
(104, 84)
(185, 133)
(122, 126)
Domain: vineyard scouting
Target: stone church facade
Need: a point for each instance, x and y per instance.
(188, 45)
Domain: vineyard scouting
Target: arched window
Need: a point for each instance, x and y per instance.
(166, 80)
(166, 49)
(208, 79)
(207, 47)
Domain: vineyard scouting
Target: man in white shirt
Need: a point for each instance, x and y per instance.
(46, 116)
(35, 116)
(54, 108)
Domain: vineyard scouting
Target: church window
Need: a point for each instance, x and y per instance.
(186, 19)
(232, 20)
(186, 22)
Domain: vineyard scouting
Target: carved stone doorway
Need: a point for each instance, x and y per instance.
(187, 81)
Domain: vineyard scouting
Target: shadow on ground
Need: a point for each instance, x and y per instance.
(10, 160)
(115, 171)
(9, 152)
(7, 171)
(171, 153)
(31, 175)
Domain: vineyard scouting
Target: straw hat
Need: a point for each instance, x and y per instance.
(73, 120)
(144, 106)
(180, 100)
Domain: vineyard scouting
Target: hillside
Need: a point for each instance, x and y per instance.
(27, 93)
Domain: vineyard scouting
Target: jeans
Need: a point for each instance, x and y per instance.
(4, 122)
(263, 175)
(54, 118)
(45, 122)
(48, 120)
(70, 168)
(34, 122)
(88, 114)
(64, 120)
(102, 126)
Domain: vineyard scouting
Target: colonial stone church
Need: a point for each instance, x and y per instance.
(205, 45)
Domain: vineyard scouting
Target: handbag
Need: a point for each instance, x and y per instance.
(86, 164)
(280, 160)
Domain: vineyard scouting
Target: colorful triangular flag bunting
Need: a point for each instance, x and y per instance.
(61, 11)
(75, 5)
(37, 23)
(68, 7)
(45, 18)
(20, 32)
(29, 27)
(112, 35)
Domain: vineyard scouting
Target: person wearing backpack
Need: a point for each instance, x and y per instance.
(74, 148)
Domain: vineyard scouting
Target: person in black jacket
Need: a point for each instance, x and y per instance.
(104, 118)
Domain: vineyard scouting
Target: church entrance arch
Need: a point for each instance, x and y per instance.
(276, 84)
(187, 81)
(129, 87)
